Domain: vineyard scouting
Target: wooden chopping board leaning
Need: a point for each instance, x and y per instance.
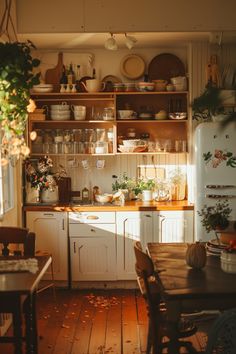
(52, 76)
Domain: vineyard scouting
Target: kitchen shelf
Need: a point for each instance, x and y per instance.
(157, 129)
(156, 121)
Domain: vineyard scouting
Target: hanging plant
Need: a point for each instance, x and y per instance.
(16, 80)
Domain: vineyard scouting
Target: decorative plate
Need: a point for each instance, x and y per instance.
(132, 66)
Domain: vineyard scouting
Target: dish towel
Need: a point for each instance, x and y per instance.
(19, 265)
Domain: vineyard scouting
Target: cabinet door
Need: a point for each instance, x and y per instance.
(51, 236)
(93, 258)
(173, 226)
(131, 226)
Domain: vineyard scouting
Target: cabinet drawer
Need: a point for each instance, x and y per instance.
(92, 230)
(88, 217)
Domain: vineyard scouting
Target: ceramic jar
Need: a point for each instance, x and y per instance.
(50, 195)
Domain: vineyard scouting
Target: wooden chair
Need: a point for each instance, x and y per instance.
(222, 334)
(18, 236)
(11, 235)
(158, 324)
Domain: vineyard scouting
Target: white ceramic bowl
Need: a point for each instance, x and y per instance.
(125, 113)
(146, 86)
(178, 115)
(133, 142)
(103, 198)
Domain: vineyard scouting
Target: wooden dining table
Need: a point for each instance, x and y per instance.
(188, 290)
(18, 296)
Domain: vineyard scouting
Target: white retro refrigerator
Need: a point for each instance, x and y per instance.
(215, 170)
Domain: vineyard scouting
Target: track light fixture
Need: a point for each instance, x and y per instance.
(130, 41)
(111, 43)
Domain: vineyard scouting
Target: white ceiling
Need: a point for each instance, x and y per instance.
(97, 40)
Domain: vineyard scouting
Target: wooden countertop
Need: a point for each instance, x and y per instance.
(129, 206)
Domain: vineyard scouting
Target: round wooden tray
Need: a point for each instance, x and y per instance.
(164, 66)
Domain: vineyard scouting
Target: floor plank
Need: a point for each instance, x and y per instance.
(94, 322)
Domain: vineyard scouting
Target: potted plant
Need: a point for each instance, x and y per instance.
(208, 104)
(217, 218)
(16, 80)
(145, 188)
(125, 184)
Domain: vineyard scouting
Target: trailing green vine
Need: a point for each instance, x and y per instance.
(16, 80)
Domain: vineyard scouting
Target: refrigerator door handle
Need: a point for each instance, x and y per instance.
(221, 196)
(219, 186)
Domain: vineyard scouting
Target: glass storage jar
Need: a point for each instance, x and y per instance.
(101, 147)
(100, 134)
(89, 135)
(58, 136)
(108, 113)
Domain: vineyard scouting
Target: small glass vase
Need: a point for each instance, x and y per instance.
(32, 195)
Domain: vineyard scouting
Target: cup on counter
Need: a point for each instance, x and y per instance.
(79, 112)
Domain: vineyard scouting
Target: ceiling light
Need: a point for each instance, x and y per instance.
(111, 44)
(130, 41)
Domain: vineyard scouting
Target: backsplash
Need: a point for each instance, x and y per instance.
(88, 171)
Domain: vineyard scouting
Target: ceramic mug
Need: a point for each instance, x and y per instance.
(79, 112)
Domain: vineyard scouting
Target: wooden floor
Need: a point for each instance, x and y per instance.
(93, 322)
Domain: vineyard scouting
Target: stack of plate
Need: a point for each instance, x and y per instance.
(60, 112)
(214, 247)
(43, 88)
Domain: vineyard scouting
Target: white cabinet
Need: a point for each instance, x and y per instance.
(173, 226)
(131, 226)
(92, 246)
(51, 236)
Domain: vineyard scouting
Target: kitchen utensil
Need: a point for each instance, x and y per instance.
(132, 66)
(164, 66)
(52, 76)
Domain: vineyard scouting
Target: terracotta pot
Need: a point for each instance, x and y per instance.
(227, 236)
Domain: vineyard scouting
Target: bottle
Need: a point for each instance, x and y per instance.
(71, 75)
(96, 191)
(94, 74)
(63, 79)
(85, 195)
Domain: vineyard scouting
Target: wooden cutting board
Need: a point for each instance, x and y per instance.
(52, 76)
